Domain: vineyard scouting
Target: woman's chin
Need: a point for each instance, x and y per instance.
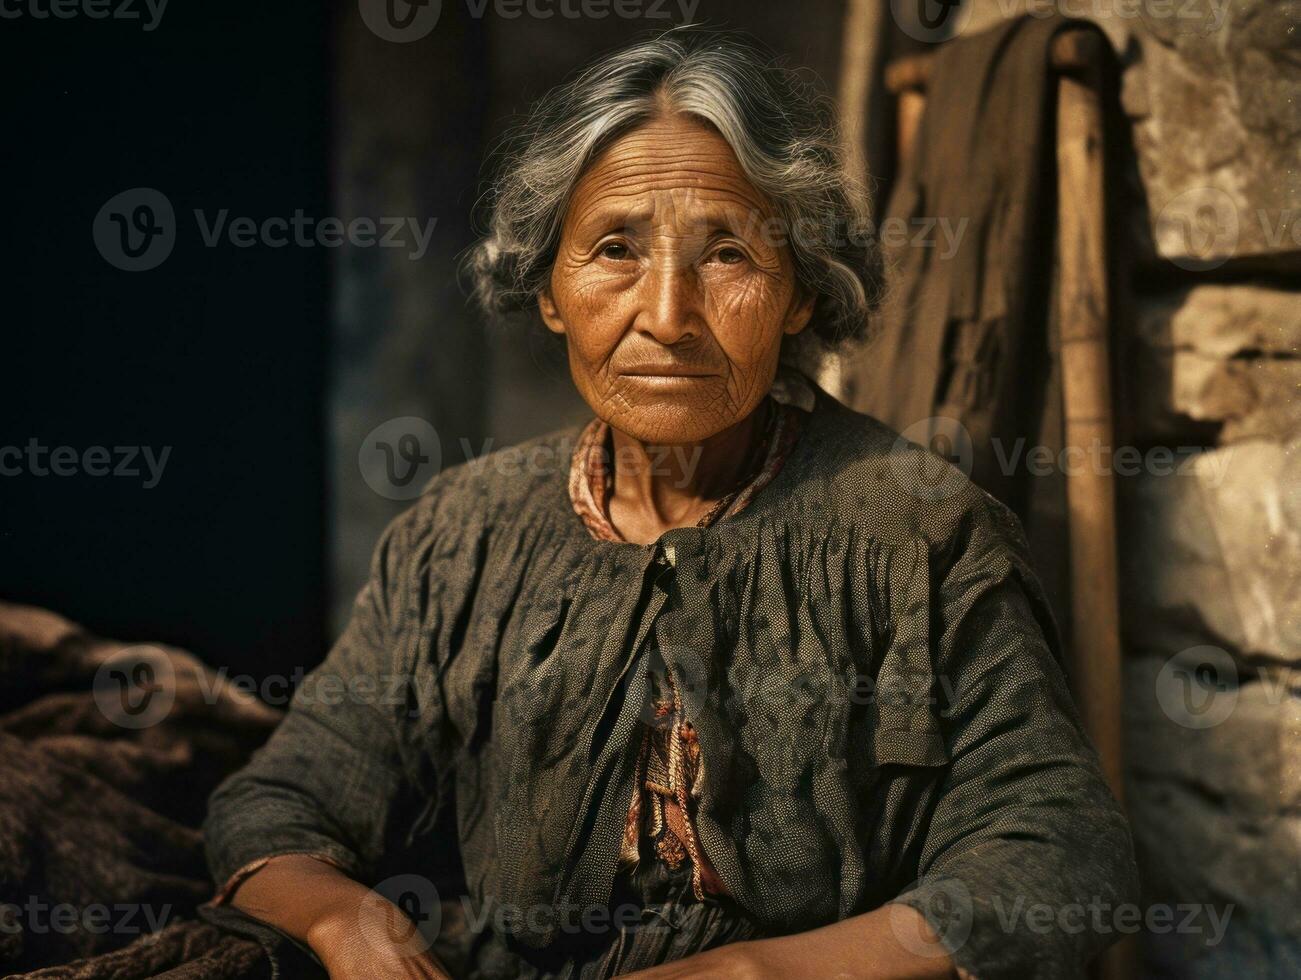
(671, 421)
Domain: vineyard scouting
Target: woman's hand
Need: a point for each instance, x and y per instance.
(736, 961)
(373, 938)
(892, 942)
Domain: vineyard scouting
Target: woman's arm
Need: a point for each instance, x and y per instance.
(291, 834)
(1027, 853)
(348, 926)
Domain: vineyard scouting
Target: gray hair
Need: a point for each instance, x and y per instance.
(780, 129)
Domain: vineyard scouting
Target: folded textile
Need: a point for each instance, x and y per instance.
(101, 858)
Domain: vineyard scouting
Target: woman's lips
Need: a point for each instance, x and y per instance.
(669, 382)
(667, 373)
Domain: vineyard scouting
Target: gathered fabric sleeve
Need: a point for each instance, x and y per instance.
(1028, 854)
(326, 781)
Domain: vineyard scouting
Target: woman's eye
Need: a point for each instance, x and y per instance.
(617, 251)
(729, 255)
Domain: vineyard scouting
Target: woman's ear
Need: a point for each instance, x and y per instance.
(550, 312)
(800, 312)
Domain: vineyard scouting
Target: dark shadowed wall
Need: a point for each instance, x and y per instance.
(212, 354)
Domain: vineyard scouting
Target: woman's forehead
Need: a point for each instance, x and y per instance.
(673, 147)
(666, 169)
(672, 207)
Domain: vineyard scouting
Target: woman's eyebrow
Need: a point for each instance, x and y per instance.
(613, 217)
(717, 217)
(735, 220)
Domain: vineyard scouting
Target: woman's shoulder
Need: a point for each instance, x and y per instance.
(872, 480)
(895, 485)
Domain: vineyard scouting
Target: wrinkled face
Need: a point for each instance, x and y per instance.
(671, 286)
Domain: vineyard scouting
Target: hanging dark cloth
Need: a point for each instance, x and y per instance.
(967, 327)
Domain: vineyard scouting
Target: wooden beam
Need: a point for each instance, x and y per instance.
(1084, 329)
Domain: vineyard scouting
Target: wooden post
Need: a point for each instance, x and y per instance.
(859, 58)
(861, 106)
(907, 79)
(1084, 321)
(1083, 316)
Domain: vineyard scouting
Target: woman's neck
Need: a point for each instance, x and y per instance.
(658, 487)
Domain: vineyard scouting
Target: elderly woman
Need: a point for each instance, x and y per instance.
(716, 685)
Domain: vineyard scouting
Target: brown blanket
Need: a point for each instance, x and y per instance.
(107, 756)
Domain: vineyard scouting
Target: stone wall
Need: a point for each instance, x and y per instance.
(1209, 364)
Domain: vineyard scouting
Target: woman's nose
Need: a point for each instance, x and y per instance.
(669, 308)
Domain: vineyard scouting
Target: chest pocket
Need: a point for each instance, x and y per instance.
(909, 737)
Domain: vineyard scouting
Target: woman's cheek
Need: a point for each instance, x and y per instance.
(594, 304)
(746, 313)
(596, 312)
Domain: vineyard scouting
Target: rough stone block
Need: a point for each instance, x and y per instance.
(1216, 363)
(1216, 812)
(1209, 553)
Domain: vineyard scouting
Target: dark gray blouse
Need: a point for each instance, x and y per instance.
(864, 652)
